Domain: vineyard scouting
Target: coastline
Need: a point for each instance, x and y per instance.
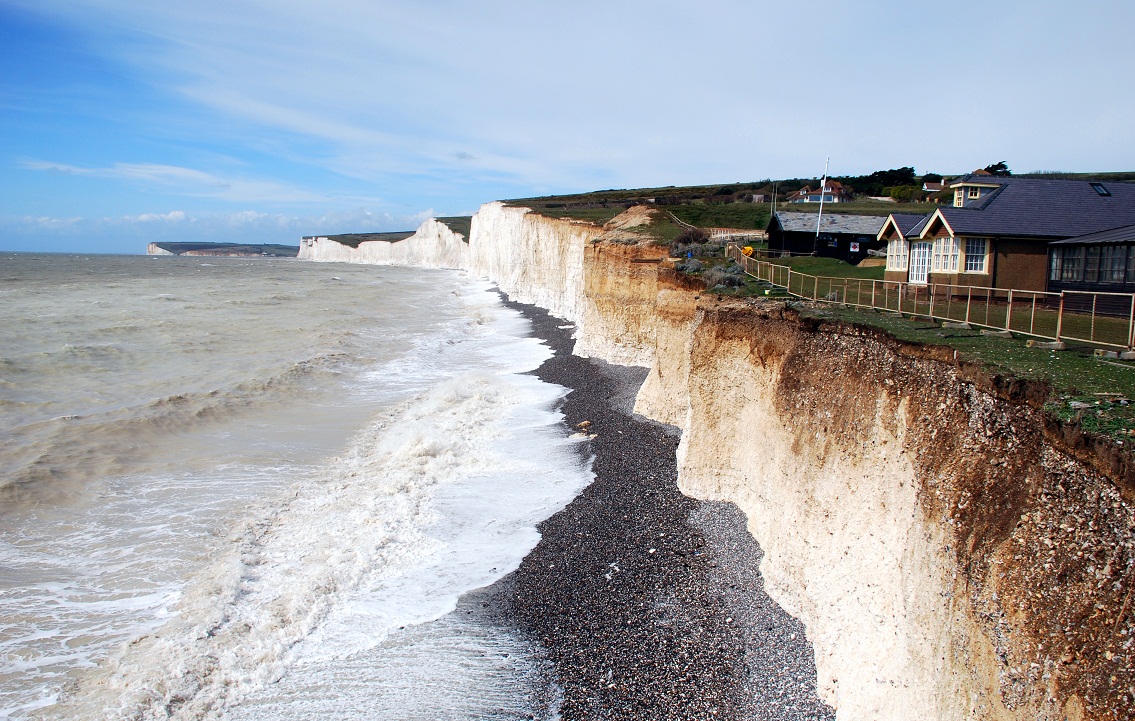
(646, 603)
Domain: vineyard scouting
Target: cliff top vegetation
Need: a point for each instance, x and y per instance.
(731, 205)
(352, 240)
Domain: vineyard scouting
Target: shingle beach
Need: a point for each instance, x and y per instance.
(647, 604)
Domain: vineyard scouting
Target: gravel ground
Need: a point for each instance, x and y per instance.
(646, 604)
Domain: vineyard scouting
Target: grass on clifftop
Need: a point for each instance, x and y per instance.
(1098, 392)
(462, 224)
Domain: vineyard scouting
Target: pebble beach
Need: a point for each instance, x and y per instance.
(644, 603)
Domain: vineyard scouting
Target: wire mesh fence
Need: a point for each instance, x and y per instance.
(1094, 318)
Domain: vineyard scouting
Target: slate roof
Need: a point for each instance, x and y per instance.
(832, 223)
(1124, 234)
(906, 222)
(1039, 208)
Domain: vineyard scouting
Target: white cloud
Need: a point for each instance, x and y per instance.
(174, 216)
(187, 181)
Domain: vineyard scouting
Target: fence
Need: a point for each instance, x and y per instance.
(1100, 319)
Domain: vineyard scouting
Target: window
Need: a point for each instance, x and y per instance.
(1131, 264)
(974, 193)
(1055, 263)
(897, 254)
(1098, 187)
(959, 198)
(975, 254)
(1073, 269)
(1112, 263)
(945, 255)
(1092, 264)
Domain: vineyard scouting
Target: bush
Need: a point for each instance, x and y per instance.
(723, 276)
(690, 236)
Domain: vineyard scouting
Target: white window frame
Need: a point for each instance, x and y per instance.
(975, 258)
(945, 255)
(898, 254)
(974, 193)
(959, 198)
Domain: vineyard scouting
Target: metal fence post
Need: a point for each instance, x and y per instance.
(1009, 310)
(932, 287)
(1092, 335)
(1131, 326)
(969, 300)
(1060, 317)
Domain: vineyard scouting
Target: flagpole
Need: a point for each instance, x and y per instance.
(823, 182)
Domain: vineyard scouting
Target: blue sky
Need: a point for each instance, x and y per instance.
(125, 121)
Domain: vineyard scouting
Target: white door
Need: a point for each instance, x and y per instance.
(919, 263)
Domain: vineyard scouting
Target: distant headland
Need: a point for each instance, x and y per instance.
(238, 250)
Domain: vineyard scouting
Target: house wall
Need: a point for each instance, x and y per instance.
(1020, 264)
(979, 280)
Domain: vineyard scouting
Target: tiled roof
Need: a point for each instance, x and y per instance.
(1124, 234)
(832, 223)
(1031, 207)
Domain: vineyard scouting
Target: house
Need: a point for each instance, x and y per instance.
(930, 191)
(996, 234)
(843, 236)
(833, 192)
(760, 197)
(1102, 262)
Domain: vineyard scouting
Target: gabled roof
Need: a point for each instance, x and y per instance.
(831, 223)
(903, 223)
(1040, 208)
(1124, 234)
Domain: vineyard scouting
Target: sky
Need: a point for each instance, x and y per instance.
(129, 121)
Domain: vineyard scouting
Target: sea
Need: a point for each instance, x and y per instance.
(255, 488)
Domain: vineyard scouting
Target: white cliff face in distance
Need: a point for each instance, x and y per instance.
(433, 245)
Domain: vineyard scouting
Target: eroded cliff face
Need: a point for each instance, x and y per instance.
(950, 554)
(949, 560)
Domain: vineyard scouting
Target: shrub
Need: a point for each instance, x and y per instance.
(722, 276)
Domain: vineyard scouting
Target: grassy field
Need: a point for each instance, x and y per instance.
(830, 267)
(747, 216)
(598, 216)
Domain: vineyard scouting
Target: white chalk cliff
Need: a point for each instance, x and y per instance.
(950, 553)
